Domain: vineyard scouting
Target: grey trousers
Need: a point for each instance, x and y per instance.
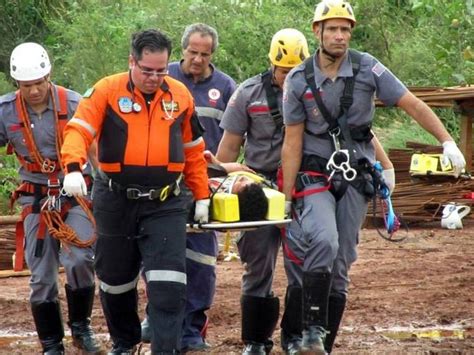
(324, 236)
(258, 252)
(77, 262)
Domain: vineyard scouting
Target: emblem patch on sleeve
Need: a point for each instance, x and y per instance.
(378, 69)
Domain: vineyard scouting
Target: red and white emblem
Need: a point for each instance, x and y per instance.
(214, 94)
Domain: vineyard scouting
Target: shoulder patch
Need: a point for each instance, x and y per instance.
(88, 93)
(378, 69)
(232, 99)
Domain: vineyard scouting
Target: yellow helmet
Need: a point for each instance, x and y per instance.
(328, 9)
(288, 48)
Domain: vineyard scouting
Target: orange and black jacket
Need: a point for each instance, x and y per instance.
(146, 148)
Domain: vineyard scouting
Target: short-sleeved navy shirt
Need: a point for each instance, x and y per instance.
(211, 96)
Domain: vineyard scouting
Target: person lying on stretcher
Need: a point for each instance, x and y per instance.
(238, 179)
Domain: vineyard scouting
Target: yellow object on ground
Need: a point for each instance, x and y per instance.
(229, 255)
(429, 164)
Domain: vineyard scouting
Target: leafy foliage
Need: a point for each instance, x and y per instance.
(8, 178)
(424, 42)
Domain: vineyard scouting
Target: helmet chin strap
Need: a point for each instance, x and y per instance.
(331, 57)
(273, 74)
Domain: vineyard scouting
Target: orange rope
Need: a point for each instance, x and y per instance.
(53, 219)
(63, 232)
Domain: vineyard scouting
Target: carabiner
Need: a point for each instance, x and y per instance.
(164, 193)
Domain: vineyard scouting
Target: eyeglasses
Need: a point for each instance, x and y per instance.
(150, 73)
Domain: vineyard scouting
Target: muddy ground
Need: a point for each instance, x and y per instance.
(413, 297)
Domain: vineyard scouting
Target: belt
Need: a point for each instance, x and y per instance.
(136, 192)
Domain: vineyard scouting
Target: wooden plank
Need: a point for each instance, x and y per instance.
(10, 273)
(465, 143)
(9, 219)
(440, 97)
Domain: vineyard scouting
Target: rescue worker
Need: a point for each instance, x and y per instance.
(31, 123)
(148, 137)
(211, 90)
(328, 109)
(254, 112)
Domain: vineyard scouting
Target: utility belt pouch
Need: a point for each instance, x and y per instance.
(362, 133)
(314, 163)
(369, 189)
(364, 183)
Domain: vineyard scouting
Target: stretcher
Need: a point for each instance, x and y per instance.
(224, 210)
(233, 226)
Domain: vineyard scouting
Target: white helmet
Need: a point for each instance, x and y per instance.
(29, 61)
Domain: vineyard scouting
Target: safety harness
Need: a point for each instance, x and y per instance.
(343, 160)
(47, 198)
(272, 99)
(272, 102)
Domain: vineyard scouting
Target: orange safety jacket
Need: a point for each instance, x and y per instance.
(149, 147)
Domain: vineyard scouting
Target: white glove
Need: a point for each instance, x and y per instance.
(389, 178)
(201, 213)
(452, 153)
(74, 184)
(288, 209)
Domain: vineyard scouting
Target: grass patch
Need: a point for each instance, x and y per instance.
(399, 132)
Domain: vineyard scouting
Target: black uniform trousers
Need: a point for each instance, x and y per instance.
(132, 233)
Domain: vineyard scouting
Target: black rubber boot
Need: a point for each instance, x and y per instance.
(292, 323)
(259, 319)
(316, 287)
(80, 302)
(49, 326)
(337, 304)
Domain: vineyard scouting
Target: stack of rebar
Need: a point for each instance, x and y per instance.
(423, 199)
(441, 97)
(7, 246)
